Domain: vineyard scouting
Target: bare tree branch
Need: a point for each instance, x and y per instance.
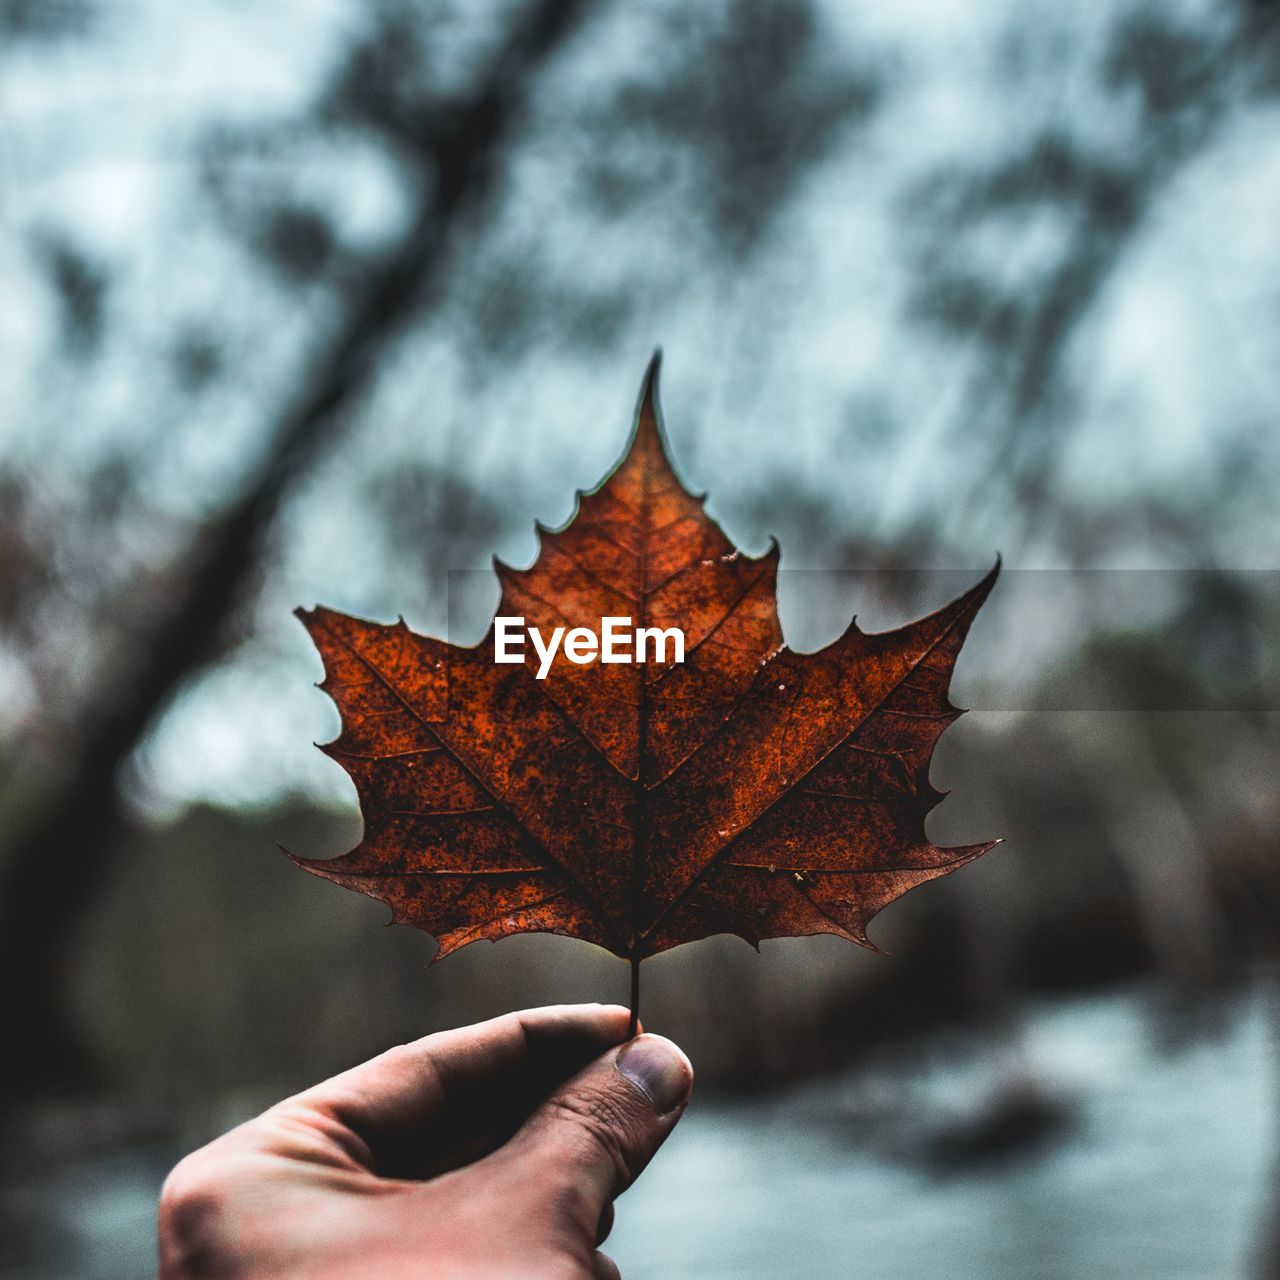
(52, 873)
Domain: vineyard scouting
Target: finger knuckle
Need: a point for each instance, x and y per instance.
(603, 1126)
(400, 1059)
(191, 1210)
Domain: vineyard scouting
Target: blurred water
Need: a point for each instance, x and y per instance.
(1164, 1172)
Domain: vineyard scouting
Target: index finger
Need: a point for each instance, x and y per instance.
(491, 1075)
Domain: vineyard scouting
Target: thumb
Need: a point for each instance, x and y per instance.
(591, 1139)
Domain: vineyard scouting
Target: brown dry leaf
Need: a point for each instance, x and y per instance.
(748, 790)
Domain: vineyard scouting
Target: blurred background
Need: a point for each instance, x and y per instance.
(329, 300)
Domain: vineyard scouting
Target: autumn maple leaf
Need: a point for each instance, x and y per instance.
(747, 789)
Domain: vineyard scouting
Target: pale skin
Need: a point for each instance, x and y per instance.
(490, 1151)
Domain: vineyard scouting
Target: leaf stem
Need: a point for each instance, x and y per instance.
(635, 998)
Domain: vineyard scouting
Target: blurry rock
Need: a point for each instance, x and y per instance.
(1019, 1118)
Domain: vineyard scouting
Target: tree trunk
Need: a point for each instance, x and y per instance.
(56, 867)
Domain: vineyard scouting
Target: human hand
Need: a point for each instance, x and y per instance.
(489, 1151)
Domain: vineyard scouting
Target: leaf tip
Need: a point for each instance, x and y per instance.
(293, 857)
(654, 369)
(983, 589)
(966, 853)
(650, 431)
(310, 618)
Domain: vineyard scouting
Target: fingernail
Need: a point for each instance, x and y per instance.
(658, 1069)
